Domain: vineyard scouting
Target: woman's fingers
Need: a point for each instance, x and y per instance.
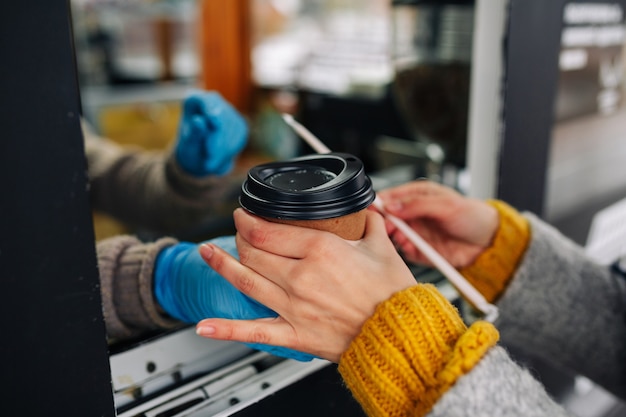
(280, 239)
(281, 253)
(270, 331)
(421, 199)
(276, 268)
(267, 331)
(241, 277)
(254, 231)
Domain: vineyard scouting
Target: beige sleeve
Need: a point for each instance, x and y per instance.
(126, 268)
(148, 189)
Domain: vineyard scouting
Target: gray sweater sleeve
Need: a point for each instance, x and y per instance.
(126, 268)
(560, 306)
(565, 308)
(497, 386)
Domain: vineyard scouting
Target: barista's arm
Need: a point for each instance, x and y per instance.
(149, 189)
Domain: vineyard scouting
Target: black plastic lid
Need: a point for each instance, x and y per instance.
(311, 187)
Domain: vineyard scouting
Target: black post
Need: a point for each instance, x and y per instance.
(53, 351)
(531, 66)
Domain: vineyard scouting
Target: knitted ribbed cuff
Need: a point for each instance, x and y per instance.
(410, 352)
(492, 271)
(126, 269)
(108, 251)
(136, 274)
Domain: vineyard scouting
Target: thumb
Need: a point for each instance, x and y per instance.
(195, 129)
(375, 228)
(190, 147)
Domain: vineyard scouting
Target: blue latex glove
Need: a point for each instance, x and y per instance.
(190, 290)
(210, 135)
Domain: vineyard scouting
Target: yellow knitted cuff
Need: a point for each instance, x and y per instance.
(492, 271)
(410, 352)
(469, 350)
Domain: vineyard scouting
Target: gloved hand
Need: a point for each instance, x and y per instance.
(190, 290)
(210, 135)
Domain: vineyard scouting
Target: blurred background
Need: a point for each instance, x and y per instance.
(531, 114)
(388, 81)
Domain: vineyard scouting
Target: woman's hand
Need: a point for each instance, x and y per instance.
(457, 227)
(323, 287)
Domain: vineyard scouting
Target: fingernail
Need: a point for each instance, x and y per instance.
(206, 250)
(205, 330)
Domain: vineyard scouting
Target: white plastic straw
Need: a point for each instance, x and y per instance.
(461, 284)
(317, 145)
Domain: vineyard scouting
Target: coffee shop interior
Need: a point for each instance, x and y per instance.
(521, 100)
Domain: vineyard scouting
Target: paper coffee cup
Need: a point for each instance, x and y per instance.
(323, 191)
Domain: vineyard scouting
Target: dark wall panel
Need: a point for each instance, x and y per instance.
(53, 351)
(531, 67)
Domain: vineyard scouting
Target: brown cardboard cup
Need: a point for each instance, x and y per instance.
(349, 227)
